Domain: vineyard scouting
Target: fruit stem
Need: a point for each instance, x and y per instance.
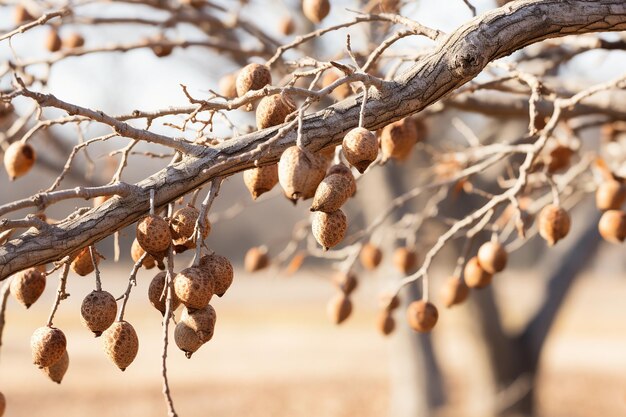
(61, 294)
(93, 254)
(169, 277)
(132, 281)
(152, 201)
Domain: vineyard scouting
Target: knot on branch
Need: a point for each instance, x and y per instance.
(469, 60)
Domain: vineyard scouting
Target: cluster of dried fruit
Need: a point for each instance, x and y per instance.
(610, 197)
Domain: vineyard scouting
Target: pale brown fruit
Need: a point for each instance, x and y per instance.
(261, 179)
(422, 316)
(73, 40)
(121, 344)
(228, 85)
(47, 345)
(256, 259)
(186, 339)
(286, 25)
(161, 47)
(346, 282)
(339, 308)
(560, 158)
(53, 41)
(201, 321)
(385, 323)
(299, 173)
(27, 286)
(272, 110)
(492, 257)
(252, 77)
(612, 226)
(57, 371)
(371, 256)
(153, 234)
(136, 252)
(3, 404)
(341, 169)
(6, 108)
(360, 147)
(389, 6)
(182, 225)
(397, 139)
(82, 264)
(98, 311)
(21, 15)
(475, 276)
(389, 302)
(329, 229)
(405, 260)
(454, 292)
(342, 91)
(316, 10)
(158, 297)
(100, 200)
(554, 223)
(332, 193)
(193, 287)
(220, 270)
(610, 195)
(19, 158)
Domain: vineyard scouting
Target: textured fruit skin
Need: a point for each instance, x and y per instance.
(155, 290)
(299, 174)
(227, 85)
(98, 311)
(492, 257)
(332, 193)
(47, 345)
(27, 286)
(260, 180)
(121, 344)
(83, 264)
(256, 259)
(339, 93)
(220, 271)
(612, 226)
(405, 260)
(339, 308)
(346, 282)
(329, 229)
(475, 276)
(371, 256)
(286, 25)
(273, 110)
(360, 147)
(554, 223)
(397, 139)
(252, 77)
(385, 323)
(610, 195)
(201, 321)
(182, 225)
(73, 40)
(341, 169)
(53, 41)
(57, 371)
(136, 252)
(186, 339)
(153, 235)
(316, 10)
(454, 292)
(19, 158)
(422, 316)
(193, 287)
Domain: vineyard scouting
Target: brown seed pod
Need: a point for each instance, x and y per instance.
(339, 308)
(256, 259)
(332, 193)
(193, 287)
(47, 345)
(475, 276)
(389, 302)
(98, 311)
(73, 40)
(6, 108)
(360, 147)
(19, 158)
(554, 223)
(220, 270)
(201, 321)
(610, 195)
(397, 139)
(385, 323)
(272, 110)
(121, 344)
(316, 10)
(57, 371)
(560, 158)
(252, 77)
(286, 25)
(100, 200)
(371, 256)
(341, 169)
(228, 85)
(53, 41)
(454, 292)
(492, 257)
(612, 226)
(186, 339)
(82, 264)
(299, 173)
(154, 236)
(136, 252)
(346, 282)
(161, 47)
(342, 91)
(3, 404)
(261, 179)
(422, 316)
(329, 229)
(182, 224)
(21, 15)
(28, 285)
(158, 297)
(405, 260)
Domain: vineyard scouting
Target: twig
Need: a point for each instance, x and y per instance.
(61, 294)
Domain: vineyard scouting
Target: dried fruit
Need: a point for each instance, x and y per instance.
(83, 264)
(286, 25)
(475, 276)
(73, 40)
(19, 158)
(136, 252)
(182, 224)
(27, 286)
(260, 180)
(560, 158)
(332, 193)
(454, 292)
(397, 139)
(56, 371)
(339, 308)
(360, 147)
(371, 256)
(201, 321)
(272, 110)
(405, 260)
(121, 344)
(3, 404)
(100, 200)
(220, 271)
(256, 259)
(193, 287)
(329, 229)
(340, 92)
(154, 236)
(47, 345)
(161, 46)
(346, 282)
(341, 169)
(186, 339)
(157, 295)
(300, 172)
(21, 15)
(610, 195)
(385, 323)
(389, 302)
(228, 85)
(492, 257)
(98, 311)
(316, 10)
(612, 226)
(422, 316)
(53, 41)
(252, 77)
(554, 224)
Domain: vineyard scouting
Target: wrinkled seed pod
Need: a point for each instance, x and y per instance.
(329, 229)
(299, 174)
(73, 40)
(53, 41)
(220, 271)
(153, 234)
(612, 226)
(256, 259)
(136, 252)
(385, 323)
(339, 308)
(57, 371)
(405, 260)
(346, 282)
(332, 193)
(316, 10)
(21, 15)
(261, 179)
(186, 339)
(371, 256)
(454, 292)
(360, 147)
(47, 345)
(286, 25)
(98, 311)
(201, 321)
(422, 316)
(228, 85)
(272, 110)
(182, 224)
(397, 139)
(342, 91)
(19, 158)
(492, 257)
(252, 77)
(554, 223)
(193, 287)
(475, 276)
(121, 344)
(155, 291)
(82, 263)
(610, 195)
(341, 169)
(27, 286)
